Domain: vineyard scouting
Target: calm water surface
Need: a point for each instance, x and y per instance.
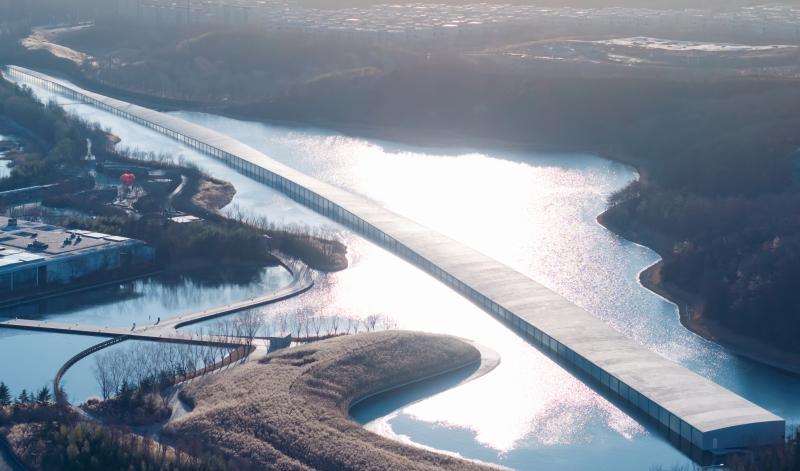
(537, 214)
(37, 356)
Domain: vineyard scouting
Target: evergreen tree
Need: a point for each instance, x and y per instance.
(126, 392)
(23, 397)
(43, 396)
(5, 395)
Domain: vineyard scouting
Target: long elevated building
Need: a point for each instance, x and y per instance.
(690, 408)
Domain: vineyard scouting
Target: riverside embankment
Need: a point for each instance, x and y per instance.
(691, 306)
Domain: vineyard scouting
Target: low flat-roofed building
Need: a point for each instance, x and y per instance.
(35, 255)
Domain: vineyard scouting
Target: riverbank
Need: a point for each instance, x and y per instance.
(291, 408)
(690, 306)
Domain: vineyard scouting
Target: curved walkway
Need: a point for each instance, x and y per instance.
(166, 331)
(75, 359)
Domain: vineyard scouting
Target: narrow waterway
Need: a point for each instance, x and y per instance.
(534, 212)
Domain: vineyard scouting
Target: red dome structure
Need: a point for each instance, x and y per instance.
(127, 179)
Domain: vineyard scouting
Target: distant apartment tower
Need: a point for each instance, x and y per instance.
(37, 256)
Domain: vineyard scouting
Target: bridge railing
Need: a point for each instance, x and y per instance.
(58, 393)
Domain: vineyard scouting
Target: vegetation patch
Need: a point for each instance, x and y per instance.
(84, 446)
(130, 408)
(213, 194)
(179, 242)
(290, 411)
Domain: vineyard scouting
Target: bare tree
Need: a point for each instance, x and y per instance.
(268, 324)
(297, 321)
(333, 324)
(118, 371)
(371, 322)
(307, 315)
(207, 354)
(103, 375)
(283, 322)
(226, 331)
(250, 323)
(316, 324)
(355, 324)
(388, 322)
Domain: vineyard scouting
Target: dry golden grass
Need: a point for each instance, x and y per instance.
(290, 411)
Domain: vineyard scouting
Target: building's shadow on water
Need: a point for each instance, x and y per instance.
(168, 283)
(214, 276)
(384, 403)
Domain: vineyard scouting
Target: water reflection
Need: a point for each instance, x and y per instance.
(381, 405)
(537, 214)
(143, 300)
(37, 356)
(31, 359)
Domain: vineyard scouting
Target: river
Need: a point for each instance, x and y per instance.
(536, 213)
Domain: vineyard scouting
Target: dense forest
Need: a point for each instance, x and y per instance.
(739, 255)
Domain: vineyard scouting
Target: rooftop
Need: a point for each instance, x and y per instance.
(27, 242)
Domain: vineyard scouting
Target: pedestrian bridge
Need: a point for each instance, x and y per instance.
(689, 408)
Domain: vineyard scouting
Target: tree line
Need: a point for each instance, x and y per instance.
(152, 367)
(74, 445)
(41, 397)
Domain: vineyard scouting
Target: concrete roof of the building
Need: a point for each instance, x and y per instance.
(16, 240)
